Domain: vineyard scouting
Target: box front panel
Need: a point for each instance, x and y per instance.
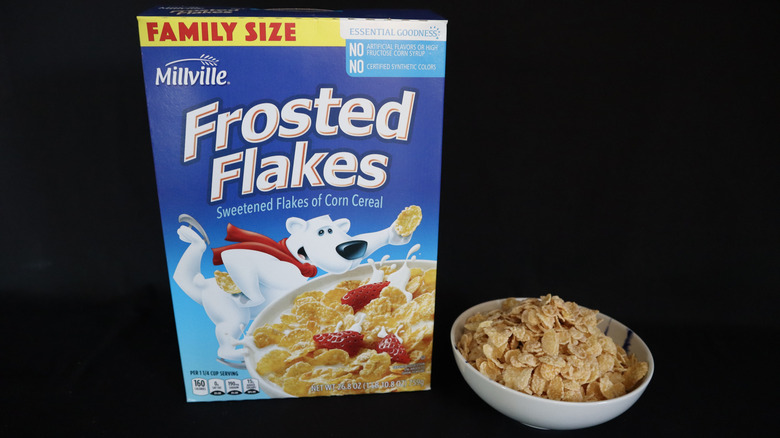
(288, 176)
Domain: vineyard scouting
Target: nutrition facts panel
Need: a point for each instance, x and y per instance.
(214, 386)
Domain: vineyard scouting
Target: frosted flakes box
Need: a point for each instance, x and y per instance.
(297, 156)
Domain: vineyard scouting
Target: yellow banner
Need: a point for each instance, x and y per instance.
(239, 31)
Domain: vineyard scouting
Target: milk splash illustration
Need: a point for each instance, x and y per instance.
(398, 279)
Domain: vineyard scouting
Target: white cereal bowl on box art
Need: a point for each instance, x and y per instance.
(543, 413)
(273, 314)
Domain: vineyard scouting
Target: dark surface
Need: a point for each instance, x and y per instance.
(625, 147)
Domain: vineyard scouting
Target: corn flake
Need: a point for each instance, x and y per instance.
(226, 283)
(408, 220)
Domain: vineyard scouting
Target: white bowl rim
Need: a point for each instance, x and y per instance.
(636, 392)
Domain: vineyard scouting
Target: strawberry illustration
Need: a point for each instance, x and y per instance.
(358, 298)
(348, 340)
(392, 345)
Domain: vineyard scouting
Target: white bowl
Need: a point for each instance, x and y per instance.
(552, 414)
(274, 311)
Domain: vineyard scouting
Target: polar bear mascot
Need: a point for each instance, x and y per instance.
(261, 270)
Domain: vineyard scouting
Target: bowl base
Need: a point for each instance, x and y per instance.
(535, 427)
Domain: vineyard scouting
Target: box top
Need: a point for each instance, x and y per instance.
(181, 11)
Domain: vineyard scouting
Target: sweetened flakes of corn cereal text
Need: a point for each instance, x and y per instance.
(550, 348)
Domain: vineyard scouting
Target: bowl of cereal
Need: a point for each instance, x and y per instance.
(319, 340)
(550, 364)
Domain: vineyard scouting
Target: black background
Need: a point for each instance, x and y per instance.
(626, 150)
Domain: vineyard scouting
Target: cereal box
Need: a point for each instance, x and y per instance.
(297, 155)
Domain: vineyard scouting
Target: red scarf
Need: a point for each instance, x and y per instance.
(258, 242)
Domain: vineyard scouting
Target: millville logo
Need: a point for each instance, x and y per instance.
(206, 74)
